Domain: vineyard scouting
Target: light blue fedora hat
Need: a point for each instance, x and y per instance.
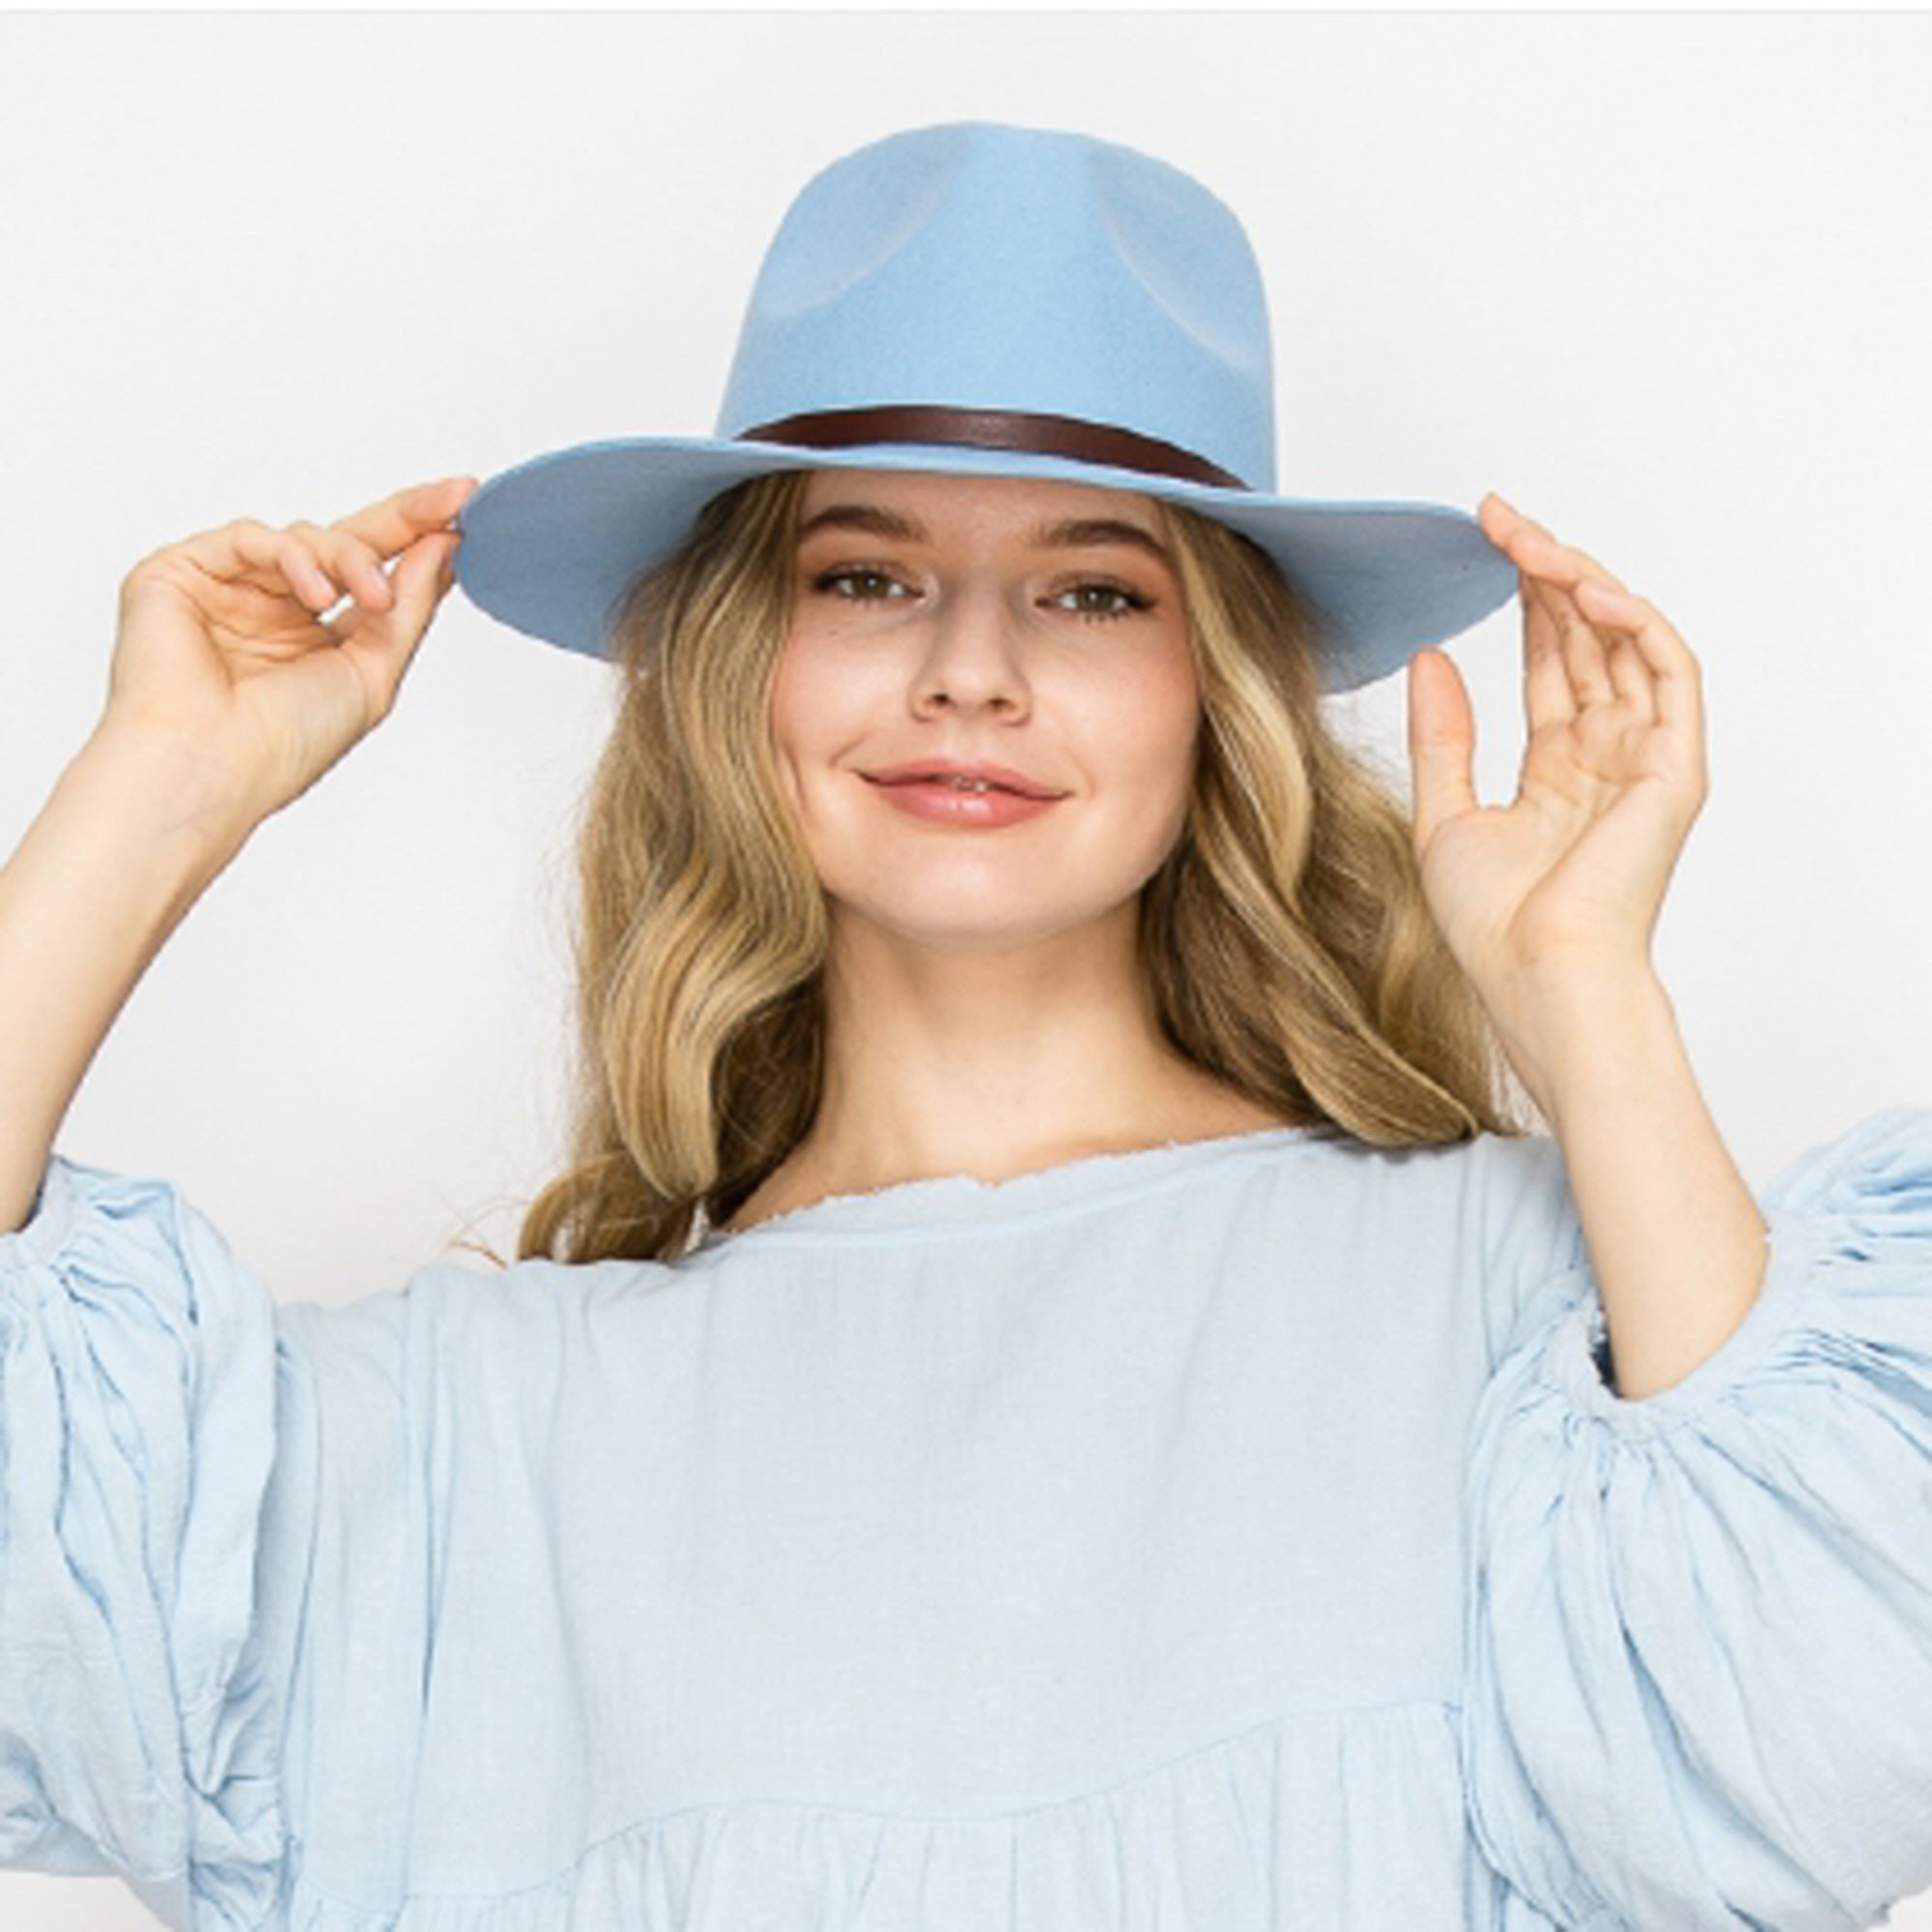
(978, 298)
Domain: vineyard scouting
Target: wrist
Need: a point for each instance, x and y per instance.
(187, 809)
(1592, 1029)
(177, 770)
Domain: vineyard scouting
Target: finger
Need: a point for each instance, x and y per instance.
(1600, 669)
(390, 524)
(1583, 660)
(303, 573)
(1532, 548)
(1441, 743)
(252, 555)
(318, 577)
(275, 563)
(350, 561)
(1631, 676)
(385, 646)
(1676, 678)
(1548, 697)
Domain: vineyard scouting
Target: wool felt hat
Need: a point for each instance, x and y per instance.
(978, 298)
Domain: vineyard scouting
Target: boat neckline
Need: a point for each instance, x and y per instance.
(936, 1200)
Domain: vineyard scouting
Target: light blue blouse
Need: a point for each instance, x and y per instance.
(1224, 1537)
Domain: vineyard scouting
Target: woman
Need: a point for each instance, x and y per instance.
(1053, 1389)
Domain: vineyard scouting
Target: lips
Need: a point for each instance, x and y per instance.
(955, 783)
(1001, 777)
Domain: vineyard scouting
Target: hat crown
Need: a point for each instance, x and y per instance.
(982, 266)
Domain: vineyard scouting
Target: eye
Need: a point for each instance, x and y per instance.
(826, 580)
(862, 583)
(1129, 601)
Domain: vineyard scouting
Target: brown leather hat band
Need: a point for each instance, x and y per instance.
(993, 429)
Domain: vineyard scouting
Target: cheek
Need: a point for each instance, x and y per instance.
(1151, 722)
(804, 686)
(792, 723)
(1159, 734)
(817, 716)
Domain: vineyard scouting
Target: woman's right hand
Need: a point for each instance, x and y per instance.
(222, 648)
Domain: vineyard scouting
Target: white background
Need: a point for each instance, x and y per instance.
(1661, 280)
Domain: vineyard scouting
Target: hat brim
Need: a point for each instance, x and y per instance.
(550, 546)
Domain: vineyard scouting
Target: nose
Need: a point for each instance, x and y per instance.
(973, 657)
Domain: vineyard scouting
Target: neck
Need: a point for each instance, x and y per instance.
(997, 1063)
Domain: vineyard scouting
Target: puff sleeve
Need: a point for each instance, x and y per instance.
(1699, 1624)
(141, 1669)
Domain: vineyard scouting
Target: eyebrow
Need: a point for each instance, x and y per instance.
(1070, 533)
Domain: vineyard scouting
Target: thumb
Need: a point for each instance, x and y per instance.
(1441, 743)
(386, 647)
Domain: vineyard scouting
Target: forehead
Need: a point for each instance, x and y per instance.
(950, 501)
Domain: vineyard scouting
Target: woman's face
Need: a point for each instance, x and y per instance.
(994, 618)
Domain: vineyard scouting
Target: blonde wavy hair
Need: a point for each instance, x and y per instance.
(1286, 938)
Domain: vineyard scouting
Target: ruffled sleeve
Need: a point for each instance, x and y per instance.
(1699, 1624)
(141, 1673)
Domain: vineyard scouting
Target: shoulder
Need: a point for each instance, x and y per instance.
(1492, 1214)
(453, 1322)
(1465, 1180)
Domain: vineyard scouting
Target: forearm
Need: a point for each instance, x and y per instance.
(1676, 1240)
(125, 844)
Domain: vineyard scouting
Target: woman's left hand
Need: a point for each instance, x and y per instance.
(1567, 881)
